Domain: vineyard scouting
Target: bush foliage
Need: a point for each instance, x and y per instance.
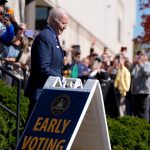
(126, 133)
(129, 133)
(8, 98)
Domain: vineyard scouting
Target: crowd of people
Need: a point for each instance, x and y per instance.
(15, 45)
(131, 81)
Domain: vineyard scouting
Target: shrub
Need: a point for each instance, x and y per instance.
(129, 133)
(8, 97)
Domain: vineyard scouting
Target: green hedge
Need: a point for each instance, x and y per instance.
(126, 133)
(129, 133)
(8, 97)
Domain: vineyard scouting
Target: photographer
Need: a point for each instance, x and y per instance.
(10, 14)
(6, 28)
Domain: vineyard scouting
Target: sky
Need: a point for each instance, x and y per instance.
(138, 30)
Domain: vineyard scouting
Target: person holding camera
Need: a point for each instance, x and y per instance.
(13, 52)
(10, 14)
(6, 28)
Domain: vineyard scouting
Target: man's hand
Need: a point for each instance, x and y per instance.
(6, 21)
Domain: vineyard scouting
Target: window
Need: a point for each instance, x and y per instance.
(41, 17)
(119, 30)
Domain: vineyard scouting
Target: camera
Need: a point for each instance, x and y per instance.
(6, 15)
(5, 18)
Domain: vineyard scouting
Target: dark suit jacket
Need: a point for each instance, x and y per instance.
(46, 60)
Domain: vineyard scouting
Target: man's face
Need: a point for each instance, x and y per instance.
(142, 57)
(60, 24)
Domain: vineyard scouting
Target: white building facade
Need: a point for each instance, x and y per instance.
(110, 22)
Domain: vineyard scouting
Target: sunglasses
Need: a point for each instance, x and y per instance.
(142, 54)
(21, 28)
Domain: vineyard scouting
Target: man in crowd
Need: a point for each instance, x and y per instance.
(141, 85)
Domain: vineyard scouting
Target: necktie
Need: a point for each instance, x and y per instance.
(58, 40)
(60, 45)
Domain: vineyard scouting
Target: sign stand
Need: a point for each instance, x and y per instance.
(67, 117)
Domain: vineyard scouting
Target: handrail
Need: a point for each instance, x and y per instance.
(17, 115)
(23, 70)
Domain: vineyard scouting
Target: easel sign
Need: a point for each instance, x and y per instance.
(57, 116)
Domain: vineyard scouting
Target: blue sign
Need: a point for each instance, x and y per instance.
(53, 120)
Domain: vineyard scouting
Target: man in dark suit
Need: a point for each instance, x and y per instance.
(46, 55)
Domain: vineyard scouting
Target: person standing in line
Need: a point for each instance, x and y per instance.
(122, 84)
(46, 55)
(140, 86)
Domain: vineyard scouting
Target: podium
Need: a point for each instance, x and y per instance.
(67, 117)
